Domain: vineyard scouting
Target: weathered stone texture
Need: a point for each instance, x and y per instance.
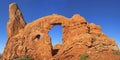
(78, 37)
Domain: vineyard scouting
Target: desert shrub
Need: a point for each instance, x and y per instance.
(55, 59)
(25, 57)
(116, 52)
(0, 56)
(84, 56)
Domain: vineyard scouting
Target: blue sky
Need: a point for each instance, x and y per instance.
(105, 13)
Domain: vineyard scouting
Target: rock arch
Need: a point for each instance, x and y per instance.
(23, 39)
(26, 39)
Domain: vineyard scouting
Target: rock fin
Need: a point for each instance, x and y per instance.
(16, 20)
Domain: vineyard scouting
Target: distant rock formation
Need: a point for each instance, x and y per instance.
(78, 37)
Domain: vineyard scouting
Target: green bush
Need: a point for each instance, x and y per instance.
(116, 52)
(84, 56)
(0, 56)
(25, 57)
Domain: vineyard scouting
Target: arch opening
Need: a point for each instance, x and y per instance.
(56, 34)
(56, 38)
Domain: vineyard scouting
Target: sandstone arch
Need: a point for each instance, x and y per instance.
(27, 35)
(77, 37)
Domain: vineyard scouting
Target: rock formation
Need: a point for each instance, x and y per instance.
(78, 37)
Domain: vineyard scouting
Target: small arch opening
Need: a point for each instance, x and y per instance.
(38, 36)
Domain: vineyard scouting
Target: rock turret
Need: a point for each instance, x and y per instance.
(16, 20)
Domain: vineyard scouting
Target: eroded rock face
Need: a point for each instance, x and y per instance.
(16, 20)
(78, 37)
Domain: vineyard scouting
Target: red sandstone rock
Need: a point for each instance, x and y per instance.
(78, 38)
(16, 20)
